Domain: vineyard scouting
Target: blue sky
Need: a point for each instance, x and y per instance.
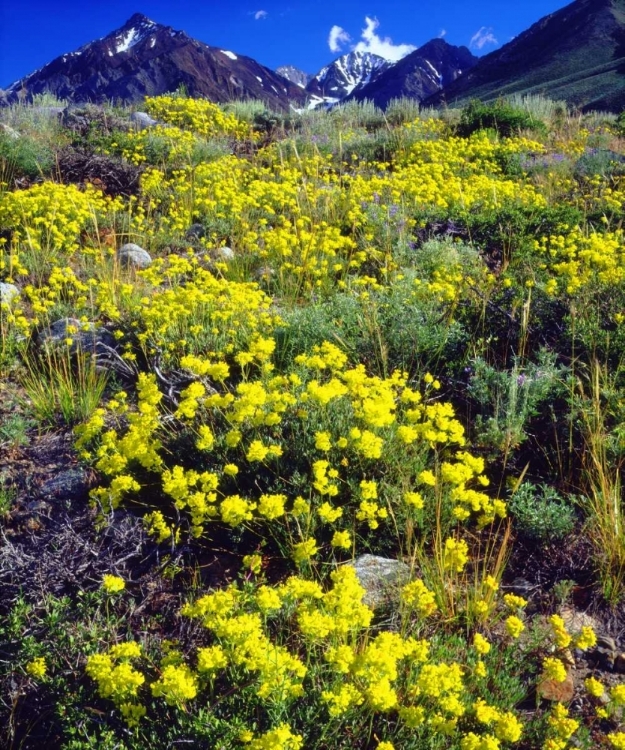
(274, 32)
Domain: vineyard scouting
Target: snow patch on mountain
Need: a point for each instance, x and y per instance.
(229, 54)
(132, 35)
(346, 75)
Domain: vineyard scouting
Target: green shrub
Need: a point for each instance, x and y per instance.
(24, 157)
(510, 398)
(502, 117)
(541, 513)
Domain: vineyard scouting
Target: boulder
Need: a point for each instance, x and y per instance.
(142, 120)
(85, 337)
(8, 292)
(67, 486)
(133, 256)
(381, 578)
(195, 232)
(225, 254)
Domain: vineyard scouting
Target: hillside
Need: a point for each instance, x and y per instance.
(576, 54)
(310, 439)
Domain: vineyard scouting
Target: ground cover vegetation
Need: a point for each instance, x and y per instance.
(353, 333)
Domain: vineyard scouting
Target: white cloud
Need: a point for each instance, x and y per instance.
(384, 47)
(260, 15)
(337, 38)
(483, 37)
(443, 33)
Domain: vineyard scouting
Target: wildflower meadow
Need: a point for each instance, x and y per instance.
(349, 335)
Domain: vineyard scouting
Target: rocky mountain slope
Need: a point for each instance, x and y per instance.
(576, 54)
(144, 58)
(418, 75)
(346, 75)
(295, 75)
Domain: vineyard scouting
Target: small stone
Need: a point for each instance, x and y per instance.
(605, 652)
(86, 337)
(225, 254)
(575, 620)
(71, 484)
(381, 578)
(143, 120)
(605, 698)
(264, 273)
(8, 292)
(195, 232)
(131, 255)
(567, 658)
(606, 642)
(558, 692)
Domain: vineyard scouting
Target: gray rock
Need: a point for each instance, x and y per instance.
(86, 337)
(131, 255)
(82, 118)
(8, 292)
(143, 120)
(225, 254)
(9, 131)
(69, 485)
(381, 578)
(264, 273)
(605, 652)
(195, 232)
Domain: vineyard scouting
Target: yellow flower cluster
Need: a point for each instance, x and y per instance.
(37, 668)
(117, 679)
(384, 418)
(48, 220)
(197, 115)
(363, 669)
(113, 584)
(576, 260)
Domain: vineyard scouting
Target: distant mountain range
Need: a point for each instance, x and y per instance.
(576, 54)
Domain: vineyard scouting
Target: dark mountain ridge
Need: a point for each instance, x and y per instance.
(144, 58)
(420, 74)
(576, 54)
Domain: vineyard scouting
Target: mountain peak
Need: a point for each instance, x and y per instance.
(138, 19)
(418, 75)
(135, 30)
(347, 74)
(145, 58)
